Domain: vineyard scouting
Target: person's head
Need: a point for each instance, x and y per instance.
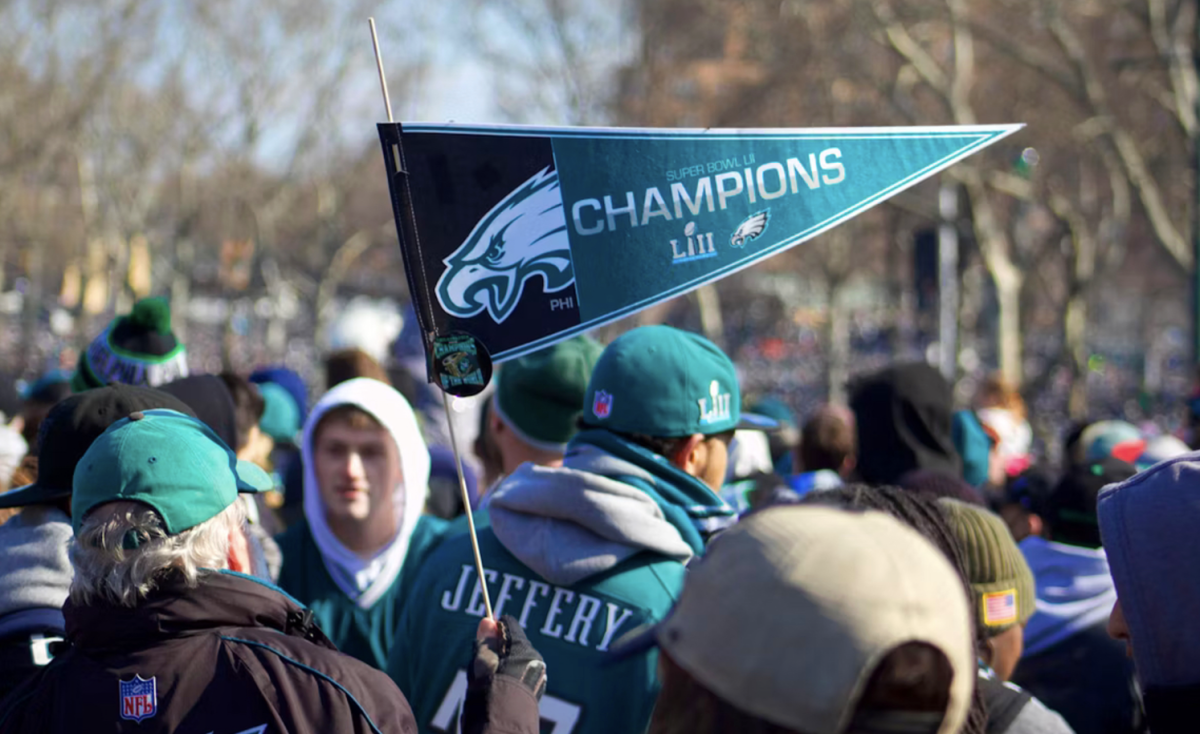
(903, 416)
(828, 440)
(155, 500)
(1000, 579)
(1148, 523)
(287, 379)
(1024, 504)
(135, 349)
(281, 419)
(12, 450)
(786, 440)
(1160, 448)
(348, 364)
(672, 392)
(211, 401)
(924, 515)
(818, 621)
(1070, 511)
(937, 485)
(538, 401)
(248, 408)
(69, 430)
(491, 463)
(39, 398)
(997, 392)
(1110, 439)
(366, 465)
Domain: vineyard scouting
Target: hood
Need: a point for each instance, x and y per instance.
(221, 599)
(365, 581)
(37, 571)
(1074, 591)
(1148, 524)
(904, 421)
(600, 509)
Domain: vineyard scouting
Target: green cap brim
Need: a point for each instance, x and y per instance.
(251, 479)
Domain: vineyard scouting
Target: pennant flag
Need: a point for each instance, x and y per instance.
(524, 236)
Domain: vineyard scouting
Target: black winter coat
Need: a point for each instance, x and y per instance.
(232, 656)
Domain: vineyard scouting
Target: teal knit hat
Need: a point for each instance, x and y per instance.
(135, 349)
(540, 395)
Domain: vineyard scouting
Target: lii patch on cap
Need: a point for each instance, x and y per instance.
(1000, 607)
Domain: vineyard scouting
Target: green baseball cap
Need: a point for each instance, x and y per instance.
(541, 395)
(167, 460)
(664, 382)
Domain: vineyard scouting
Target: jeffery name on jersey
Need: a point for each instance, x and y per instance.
(572, 617)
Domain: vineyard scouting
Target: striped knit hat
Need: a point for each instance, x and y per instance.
(1000, 579)
(136, 349)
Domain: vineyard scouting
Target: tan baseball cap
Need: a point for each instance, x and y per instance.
(790, 611)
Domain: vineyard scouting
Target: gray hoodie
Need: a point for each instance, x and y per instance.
(36, 572)
(573, 522)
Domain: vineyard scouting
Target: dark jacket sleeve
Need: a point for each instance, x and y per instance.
(1172, 710)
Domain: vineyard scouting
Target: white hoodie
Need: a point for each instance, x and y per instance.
(365, 581)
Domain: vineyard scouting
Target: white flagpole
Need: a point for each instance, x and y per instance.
(458, 464)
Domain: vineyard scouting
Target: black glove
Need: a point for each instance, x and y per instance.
(512, 655)
(500, 665)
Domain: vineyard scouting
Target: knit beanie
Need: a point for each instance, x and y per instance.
(136, 349)
(540, 396)
(1001, 582)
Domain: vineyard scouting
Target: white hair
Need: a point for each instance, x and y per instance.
(109, 569)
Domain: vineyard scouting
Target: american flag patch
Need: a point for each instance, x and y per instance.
(1000, 607)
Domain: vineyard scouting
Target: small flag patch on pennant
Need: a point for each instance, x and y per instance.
(1000, 607)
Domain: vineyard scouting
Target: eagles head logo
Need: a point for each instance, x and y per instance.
(751, 228)
(522, 237)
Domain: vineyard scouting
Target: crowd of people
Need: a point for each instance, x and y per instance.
(221, 553)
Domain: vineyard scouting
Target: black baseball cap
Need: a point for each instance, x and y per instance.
(1071, 508)
(69, 430)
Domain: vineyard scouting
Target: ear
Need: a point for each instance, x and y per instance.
(239, 552)
(690, 453)
(848, 465)
(1037, 527)
(495, 425)
(988, 651)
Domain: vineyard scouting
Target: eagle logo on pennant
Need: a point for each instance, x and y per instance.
(521, 238)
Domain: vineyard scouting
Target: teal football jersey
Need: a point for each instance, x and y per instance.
(363, 633)
(573, 627)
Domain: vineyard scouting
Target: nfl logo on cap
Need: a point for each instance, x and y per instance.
(602, 404)
(139, 698)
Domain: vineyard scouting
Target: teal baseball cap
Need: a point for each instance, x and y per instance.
(665, 382)
(172, 462)
(281, 416)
